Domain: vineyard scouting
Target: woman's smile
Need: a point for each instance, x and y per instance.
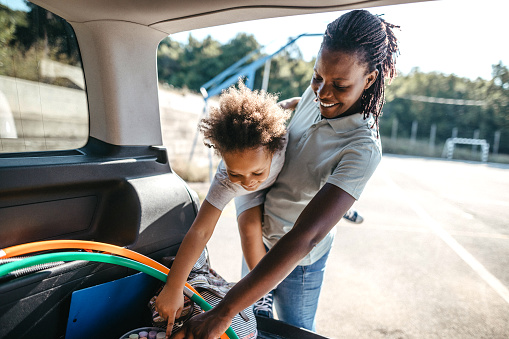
(323, 104)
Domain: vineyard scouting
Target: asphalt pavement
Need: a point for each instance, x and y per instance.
(429, 261)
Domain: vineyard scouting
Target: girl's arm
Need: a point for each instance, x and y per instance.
(250, 229)
(170, 301)
(321, 214)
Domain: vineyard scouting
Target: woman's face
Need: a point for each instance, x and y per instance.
(339, 79)
(249, 167)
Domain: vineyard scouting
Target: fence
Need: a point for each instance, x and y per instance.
(474, 141)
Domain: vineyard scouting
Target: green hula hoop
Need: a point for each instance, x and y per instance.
(104, 258)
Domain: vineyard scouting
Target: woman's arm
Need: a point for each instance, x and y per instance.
(170, 301)
(321, 214)
(250, 229)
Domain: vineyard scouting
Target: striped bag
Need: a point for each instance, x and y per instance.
(212, 287)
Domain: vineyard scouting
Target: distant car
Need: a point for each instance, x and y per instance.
(103, 174)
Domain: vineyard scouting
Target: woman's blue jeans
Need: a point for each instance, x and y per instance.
(296, 297)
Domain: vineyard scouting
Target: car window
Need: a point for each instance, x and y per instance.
(43, 103)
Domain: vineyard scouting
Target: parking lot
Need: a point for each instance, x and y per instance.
(429, 261)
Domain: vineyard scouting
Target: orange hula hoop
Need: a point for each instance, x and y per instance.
(46, 245)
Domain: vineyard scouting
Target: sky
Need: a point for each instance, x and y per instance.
(461, 37)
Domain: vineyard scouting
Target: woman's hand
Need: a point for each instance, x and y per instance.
(169, 305)
(289, 103)
(208, 325)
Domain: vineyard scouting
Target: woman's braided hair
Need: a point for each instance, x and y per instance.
(373, 40)
(245, 119)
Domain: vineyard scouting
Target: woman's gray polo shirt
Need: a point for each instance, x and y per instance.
(344, 152)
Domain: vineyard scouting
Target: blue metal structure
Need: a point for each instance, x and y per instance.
(237, 70)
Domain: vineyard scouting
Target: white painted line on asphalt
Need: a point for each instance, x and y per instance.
(468, 258)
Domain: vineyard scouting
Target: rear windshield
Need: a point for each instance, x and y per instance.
(43, 103)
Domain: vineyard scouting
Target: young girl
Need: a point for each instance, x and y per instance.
(333, 149)
(248, 131)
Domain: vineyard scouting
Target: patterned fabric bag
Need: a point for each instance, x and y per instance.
(212, 287)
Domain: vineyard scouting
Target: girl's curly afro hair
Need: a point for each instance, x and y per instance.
(245, 119)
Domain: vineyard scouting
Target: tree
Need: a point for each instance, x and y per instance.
(9, 20)
(28, 37)
(193, 64)
(49, 34)
(479, 105)
(498, 103)
(168, 61)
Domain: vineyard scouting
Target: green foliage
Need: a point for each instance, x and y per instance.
(193, 64)
(28, 37)
(480, 105)
(8, 22)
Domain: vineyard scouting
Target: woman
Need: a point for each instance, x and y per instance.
(333, 149)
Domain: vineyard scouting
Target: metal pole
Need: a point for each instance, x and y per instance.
(394, 133)
(455, 132)
(432, 137)
(250, 79)
(485, 152)
(203, 114)
(496, 142)
(450, 149)
(266, 74)
(414, 132)
(474, 146)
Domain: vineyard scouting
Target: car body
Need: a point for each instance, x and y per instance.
(118, 188)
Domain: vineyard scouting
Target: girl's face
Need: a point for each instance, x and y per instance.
(339, 79)
(249, 167)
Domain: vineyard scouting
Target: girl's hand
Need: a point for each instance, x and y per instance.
(169, 305)
(208, 325)
(170, 302)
